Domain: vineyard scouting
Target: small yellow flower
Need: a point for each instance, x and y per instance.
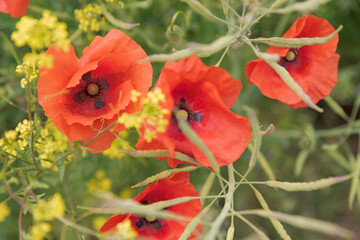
(40, 34)
(119, 144)
(40, 230)
(89, 17)
(99, 183)
(4, 211)
(47, 210)
(134, 95)
(11, 135)
(125, 230)
(151, 117)
(51, 141)
(97, 222)
(126, 193)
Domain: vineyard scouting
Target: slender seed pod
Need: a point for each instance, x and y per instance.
(308, 186)
(297, 42)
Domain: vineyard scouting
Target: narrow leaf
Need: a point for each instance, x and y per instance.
(190, 228)
(286, 77)
(336, 108)
(260, 234)
(308, 186)
(164, 174)
(202, 50)
(255, 126)
(277, 225)
(309, 224)
(114, 21)
(297, 42)
(354, 184)
(264, 164)
(300, 161)
(161, 153)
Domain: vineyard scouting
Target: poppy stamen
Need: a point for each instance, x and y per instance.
(156, 224)
(197, 117)
(92, 89)
(99, 104)
(141, 223)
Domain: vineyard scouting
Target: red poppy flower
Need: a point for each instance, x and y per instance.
(82, 96)
(313, 67)
(203, 95)
(176, 186)
(16, 8)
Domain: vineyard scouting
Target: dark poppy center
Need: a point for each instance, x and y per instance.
(150, 221)
(184, 111)
(142, 222)
(91, 90)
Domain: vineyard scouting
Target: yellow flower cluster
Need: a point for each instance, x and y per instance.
(151, 117)
(31, 73)
(51, 141)
(125, 231)
(4, 211)
(98, 221)
(99, 183)
(31, 63)
(40, 34)
(40, 230)
(46, 211)
(16, 139)
(89, 17)
(119, 143)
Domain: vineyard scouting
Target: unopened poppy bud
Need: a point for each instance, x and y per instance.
(174, 33)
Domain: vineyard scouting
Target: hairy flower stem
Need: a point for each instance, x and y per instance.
(194, 138)
(20, 216)
(29, 103)
(227, 206)
(85, 145)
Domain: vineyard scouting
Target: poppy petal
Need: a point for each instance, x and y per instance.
(270, 83)
(321, 81)
(16, 8)
(177, 185)
(223, 132)
(113, 221)
(52, 82)
(82, 95)
(314, 67)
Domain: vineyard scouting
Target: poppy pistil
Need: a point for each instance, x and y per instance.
(92, 89)
(291, 55)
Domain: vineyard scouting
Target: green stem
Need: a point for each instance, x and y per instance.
(227, 206)
(195, 139)
(60, 15)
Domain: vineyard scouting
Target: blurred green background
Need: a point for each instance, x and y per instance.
(281, 149)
